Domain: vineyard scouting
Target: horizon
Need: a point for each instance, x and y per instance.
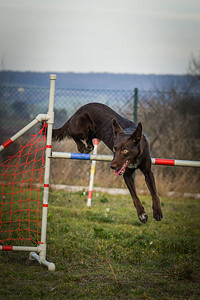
(94, 72)
(99, 81)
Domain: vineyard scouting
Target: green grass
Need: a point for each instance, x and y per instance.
(106, 253)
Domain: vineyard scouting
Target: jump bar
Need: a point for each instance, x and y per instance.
(80, 156)
(99, 157)
(17, 248)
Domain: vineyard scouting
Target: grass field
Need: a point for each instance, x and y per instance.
(106, 253)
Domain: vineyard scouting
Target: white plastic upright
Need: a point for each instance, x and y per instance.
(42, 255)
(42, 247)
(92, 173)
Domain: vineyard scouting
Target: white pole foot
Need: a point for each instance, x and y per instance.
(34, 256)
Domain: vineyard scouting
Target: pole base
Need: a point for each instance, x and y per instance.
(34, 256)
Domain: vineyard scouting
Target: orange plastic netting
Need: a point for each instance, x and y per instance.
(20, 184)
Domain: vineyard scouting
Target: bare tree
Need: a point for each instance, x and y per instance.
(194, 66)
(2, 68)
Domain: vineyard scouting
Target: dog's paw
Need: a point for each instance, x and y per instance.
(143, 217)
(82, 149)
(157, 214)
(89, 149)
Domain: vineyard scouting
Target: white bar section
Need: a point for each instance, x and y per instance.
(101, 157)
(187, 163)
(66, 155)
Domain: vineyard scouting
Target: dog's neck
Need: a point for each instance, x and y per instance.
(135, 164)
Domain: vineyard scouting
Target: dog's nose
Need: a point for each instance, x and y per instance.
(113, 165)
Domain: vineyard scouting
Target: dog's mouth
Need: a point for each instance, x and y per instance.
(123, 168)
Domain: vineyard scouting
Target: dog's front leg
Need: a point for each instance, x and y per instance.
(150, 181)
(143, 217)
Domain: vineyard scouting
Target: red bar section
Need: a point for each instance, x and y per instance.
(89, 194)
(46, 185)
(7, 143)
(161, 161)
(7, 248)
(45, 205)
(95, 142)
(48, 146)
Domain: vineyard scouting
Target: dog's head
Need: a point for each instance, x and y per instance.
(126, 148)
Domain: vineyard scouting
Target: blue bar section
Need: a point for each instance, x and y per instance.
(80, 156)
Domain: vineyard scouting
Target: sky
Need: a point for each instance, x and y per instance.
(116, 36)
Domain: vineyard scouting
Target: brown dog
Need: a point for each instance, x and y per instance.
(128, 143)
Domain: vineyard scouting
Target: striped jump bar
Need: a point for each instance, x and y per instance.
(99, 157)
(17, 248)
(80, 156)
(175, 162)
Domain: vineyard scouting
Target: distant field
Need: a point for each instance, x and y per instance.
(106, 253)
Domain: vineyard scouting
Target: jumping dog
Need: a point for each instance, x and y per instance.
(127, 141)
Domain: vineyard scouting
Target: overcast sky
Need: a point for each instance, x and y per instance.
(120, 36)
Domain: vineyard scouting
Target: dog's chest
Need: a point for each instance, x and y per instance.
(135, 164)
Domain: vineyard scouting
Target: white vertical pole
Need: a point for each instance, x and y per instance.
(42, 255)
(92, 172)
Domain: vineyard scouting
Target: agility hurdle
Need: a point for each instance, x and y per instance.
(108, 158)
(39, 252)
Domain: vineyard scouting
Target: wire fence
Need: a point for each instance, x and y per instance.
(19, 105)
(171, 121)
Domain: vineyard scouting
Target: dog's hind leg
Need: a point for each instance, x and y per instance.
(82, 129)
(143, 217)
(80, 145)
(89, 143)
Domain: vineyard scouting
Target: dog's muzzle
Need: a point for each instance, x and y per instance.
(121, 170)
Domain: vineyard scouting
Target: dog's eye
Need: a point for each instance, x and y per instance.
(124, 151)
(114, 149)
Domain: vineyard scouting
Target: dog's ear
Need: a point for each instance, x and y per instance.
(117, 128)
(136, 136)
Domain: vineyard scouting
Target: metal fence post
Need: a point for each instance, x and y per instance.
(135, 112)
(135, 105)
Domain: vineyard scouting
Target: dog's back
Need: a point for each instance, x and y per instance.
(93, 118)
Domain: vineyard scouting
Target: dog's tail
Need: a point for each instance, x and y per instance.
(58, 134)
